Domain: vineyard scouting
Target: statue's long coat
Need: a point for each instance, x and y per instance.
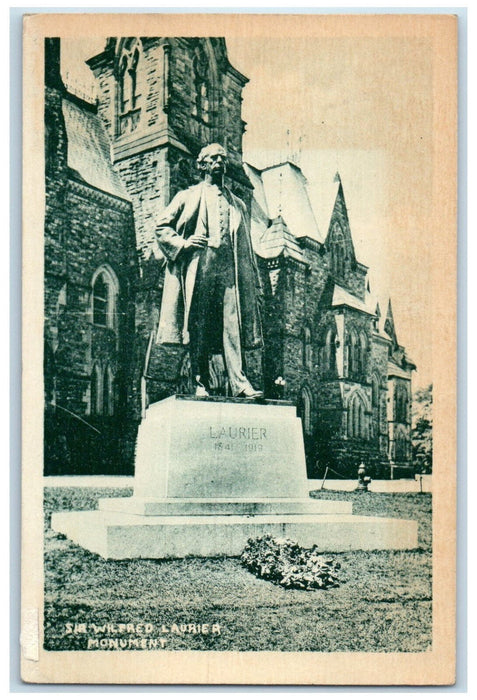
(186, 214)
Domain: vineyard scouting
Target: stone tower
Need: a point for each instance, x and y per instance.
(161, 100)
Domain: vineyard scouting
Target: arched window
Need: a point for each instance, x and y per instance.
(340, 259)
(355, 352)
(108, 392)
(291, 285)
(123, 97)
(133, 79)
(204, 102)
(401, 451)
(405, 401)
(307, 349)
(363, 422)
(100, 301)
(375, 393)
(201, 104)
(127, 79)
(402, 399)
(357, 418)
(351, 419)
(96, 391)
(104, 297)
(304, 410)
(348, 355)
(329, 351)
(375, 404)
(361, 353)
(128, 95)
(355, 407)
(352, 352)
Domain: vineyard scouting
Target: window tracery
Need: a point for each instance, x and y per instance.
(128, 95)
(375, 404)
(104, 297)
(329, 351)
(362, 353)
(402, 399)
(357, 418)
(201, 107)
(401, 447)
(352, 352)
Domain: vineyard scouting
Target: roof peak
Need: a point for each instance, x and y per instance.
(281, 164)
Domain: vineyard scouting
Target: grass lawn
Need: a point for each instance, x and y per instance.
(383, 603)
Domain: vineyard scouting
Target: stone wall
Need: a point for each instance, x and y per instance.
(85, 228)
(55, 211)
(400, 421)
(301, 302)
(379, 370)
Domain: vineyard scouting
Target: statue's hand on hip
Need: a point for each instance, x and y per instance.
(197, 240)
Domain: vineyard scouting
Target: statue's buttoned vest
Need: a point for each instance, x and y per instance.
(214, 316)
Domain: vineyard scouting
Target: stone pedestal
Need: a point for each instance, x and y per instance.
(210, 473)
(216, 448)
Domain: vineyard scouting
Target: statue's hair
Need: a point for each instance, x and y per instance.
(207, 150)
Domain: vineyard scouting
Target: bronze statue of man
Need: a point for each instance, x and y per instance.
(212, 288)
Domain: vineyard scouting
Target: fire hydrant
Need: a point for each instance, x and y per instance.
(280, 384)
(363, 480)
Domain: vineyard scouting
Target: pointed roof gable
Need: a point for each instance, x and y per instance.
(389, 326)
(278, 240)
(89, 148)
(259, 219)
(259, 199)
(341, 297)
(284, 188)
(334, 296)
(339, 221)
(396, 370)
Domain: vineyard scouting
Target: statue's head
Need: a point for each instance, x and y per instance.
(212, 159)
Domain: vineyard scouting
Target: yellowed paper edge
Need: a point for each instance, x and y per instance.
(435, 667)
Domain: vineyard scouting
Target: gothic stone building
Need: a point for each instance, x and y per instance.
(91, 269)
(111, 165)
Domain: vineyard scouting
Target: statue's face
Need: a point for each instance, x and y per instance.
(214, 163)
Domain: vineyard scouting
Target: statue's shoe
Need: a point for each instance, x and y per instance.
(250, 393)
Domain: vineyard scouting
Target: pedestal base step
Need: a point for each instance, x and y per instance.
(223, 506)
(115, 535)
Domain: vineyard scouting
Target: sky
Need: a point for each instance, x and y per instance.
(362, 107)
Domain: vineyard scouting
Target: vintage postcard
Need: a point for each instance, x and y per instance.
(239, 371)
